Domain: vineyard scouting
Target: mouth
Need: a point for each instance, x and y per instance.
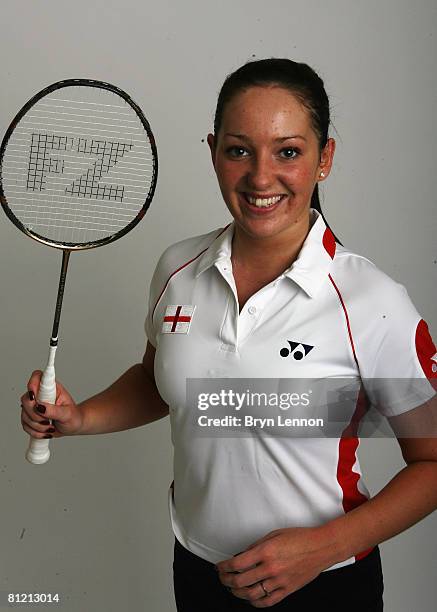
(265, 201)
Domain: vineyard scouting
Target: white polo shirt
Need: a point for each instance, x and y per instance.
(338, 316)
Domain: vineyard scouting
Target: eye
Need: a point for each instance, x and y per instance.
(289, 153)
(236, 151)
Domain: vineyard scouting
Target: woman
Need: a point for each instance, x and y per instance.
(287, 521)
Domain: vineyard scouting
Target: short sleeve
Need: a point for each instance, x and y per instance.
(393, 349)
(174, 259)
(157, 285)
(401, 361)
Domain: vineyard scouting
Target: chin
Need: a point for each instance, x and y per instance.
(260, 230)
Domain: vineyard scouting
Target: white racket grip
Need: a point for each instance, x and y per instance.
(39, 451)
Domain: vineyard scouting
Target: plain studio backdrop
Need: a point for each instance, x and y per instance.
(92, 524)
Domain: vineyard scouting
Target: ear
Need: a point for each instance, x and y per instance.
(326, 159)
(211, 143)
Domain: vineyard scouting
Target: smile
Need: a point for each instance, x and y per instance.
(263, 202)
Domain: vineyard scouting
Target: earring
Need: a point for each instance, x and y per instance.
(322, 175)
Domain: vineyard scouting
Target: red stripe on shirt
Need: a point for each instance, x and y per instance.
(347, 320)
(181, 268)
(426, 350)
(348, 444)
(347, 456)
(329, 243)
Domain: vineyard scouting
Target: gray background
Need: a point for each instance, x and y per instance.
(92, 524)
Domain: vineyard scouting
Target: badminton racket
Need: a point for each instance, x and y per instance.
(78, 170)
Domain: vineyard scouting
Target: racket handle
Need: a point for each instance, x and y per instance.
(39, 451)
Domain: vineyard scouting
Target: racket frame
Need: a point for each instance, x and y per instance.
(38, 451)
(153, 180)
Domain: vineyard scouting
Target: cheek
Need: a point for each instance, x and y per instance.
(302, 174)
(228, 174)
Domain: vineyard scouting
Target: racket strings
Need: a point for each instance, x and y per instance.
(76, 171)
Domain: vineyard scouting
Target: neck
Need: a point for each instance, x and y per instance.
(272, 254)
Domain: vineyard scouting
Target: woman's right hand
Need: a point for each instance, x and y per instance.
(65, 416)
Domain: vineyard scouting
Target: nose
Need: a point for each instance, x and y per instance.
(260, 175)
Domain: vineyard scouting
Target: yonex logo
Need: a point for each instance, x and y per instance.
(434, 365)
(297, 350)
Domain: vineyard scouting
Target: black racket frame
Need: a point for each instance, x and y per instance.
(20, 115)
(68, 247)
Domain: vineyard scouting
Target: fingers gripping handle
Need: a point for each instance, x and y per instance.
(39, 451)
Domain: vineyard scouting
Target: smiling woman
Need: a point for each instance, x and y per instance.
(268, 160)
(297, 79)
(269, 152)
(273, 298)
(270, 149)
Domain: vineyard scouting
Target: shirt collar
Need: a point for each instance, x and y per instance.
(311, 267)
(219, 251)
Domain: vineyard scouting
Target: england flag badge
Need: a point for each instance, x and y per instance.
(177, 319)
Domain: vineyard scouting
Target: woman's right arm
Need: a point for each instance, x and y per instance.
(131, 401)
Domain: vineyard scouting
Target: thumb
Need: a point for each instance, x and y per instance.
(51, 411)
(34, 382)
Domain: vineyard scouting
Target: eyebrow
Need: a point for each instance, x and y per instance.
(281, 139)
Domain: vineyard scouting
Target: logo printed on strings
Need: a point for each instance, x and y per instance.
(108, 153)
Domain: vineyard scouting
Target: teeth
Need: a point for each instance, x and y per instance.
(263, 202)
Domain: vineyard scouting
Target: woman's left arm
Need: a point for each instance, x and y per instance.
(287, 559)
(406, 499)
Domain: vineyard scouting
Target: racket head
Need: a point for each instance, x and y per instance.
(78, 165)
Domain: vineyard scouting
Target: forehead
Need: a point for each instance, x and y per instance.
(270, 108)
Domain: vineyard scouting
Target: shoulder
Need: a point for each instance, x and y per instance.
(180, 256)
(185, 252)
(390, 339)
(383, 321)
(174, 259)
(348, 264)
(359, 280)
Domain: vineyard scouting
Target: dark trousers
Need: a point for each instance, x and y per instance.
(354, 588)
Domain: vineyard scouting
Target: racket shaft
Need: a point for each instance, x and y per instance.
(39, 451)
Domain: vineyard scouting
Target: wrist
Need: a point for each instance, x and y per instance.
(80, 429)
(334, 548)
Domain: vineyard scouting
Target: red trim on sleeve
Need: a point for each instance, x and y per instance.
(329, 242)
(426, 350)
